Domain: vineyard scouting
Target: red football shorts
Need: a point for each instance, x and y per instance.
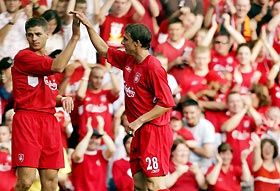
(150, 150)
(36, 141)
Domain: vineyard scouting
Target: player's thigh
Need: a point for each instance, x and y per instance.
(139, 181)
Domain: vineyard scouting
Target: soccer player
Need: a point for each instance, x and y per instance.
(36, 139)
(148, 101)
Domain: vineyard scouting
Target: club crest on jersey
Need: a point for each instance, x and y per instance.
(128, 68)
(20, 157)
(137, 77)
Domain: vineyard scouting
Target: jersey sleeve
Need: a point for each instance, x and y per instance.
(32, 64)
(158, 78)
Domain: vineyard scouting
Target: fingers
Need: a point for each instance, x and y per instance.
(68, 104)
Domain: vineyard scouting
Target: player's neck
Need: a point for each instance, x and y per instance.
(141, 56)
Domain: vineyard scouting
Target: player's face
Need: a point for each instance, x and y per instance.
(37, 38)
(5, 134)
(192, 115)
(129, 44)
(181, 154)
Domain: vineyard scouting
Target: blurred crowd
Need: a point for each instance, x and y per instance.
(223, 65)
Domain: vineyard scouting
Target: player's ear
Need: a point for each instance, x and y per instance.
(137, 43)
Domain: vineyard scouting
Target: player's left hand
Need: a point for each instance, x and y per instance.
(67, 104)
(132, 127)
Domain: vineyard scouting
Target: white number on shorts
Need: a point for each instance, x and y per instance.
(152, 163)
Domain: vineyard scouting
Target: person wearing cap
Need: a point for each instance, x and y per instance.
(148, 100)
(89, 162)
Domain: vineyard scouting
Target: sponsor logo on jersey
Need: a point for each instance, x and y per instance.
(129, 91)
(52, 85)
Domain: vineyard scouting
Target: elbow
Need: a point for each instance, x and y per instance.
(80, 97)
(57, 69)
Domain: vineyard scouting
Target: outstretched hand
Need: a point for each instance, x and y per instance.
(81, 17)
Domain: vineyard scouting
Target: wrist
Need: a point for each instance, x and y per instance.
(63, 99)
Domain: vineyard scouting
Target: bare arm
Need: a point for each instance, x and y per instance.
(233, 122)
(172, 178)
(209, 14)
(189, 34)
(199, 176)
(82, 89)
(246, 173)
(139, 10)
(237, 36)
(257, 159)
(154, 8)
(212, 177)
(110, 145)
(78, 154)
(211, 32)
(205, 151)
(8, 27)
(62, 59)
(150, 115)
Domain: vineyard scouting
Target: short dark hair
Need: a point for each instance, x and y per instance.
(139, 32)
(273, 143)
(190, 102)
(223, 147)
(174, 20)
(36, 22)
(51, 15)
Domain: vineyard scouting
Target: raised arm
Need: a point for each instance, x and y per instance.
(82, 89)
(237, 36)
(62, 59)
(212, 177)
